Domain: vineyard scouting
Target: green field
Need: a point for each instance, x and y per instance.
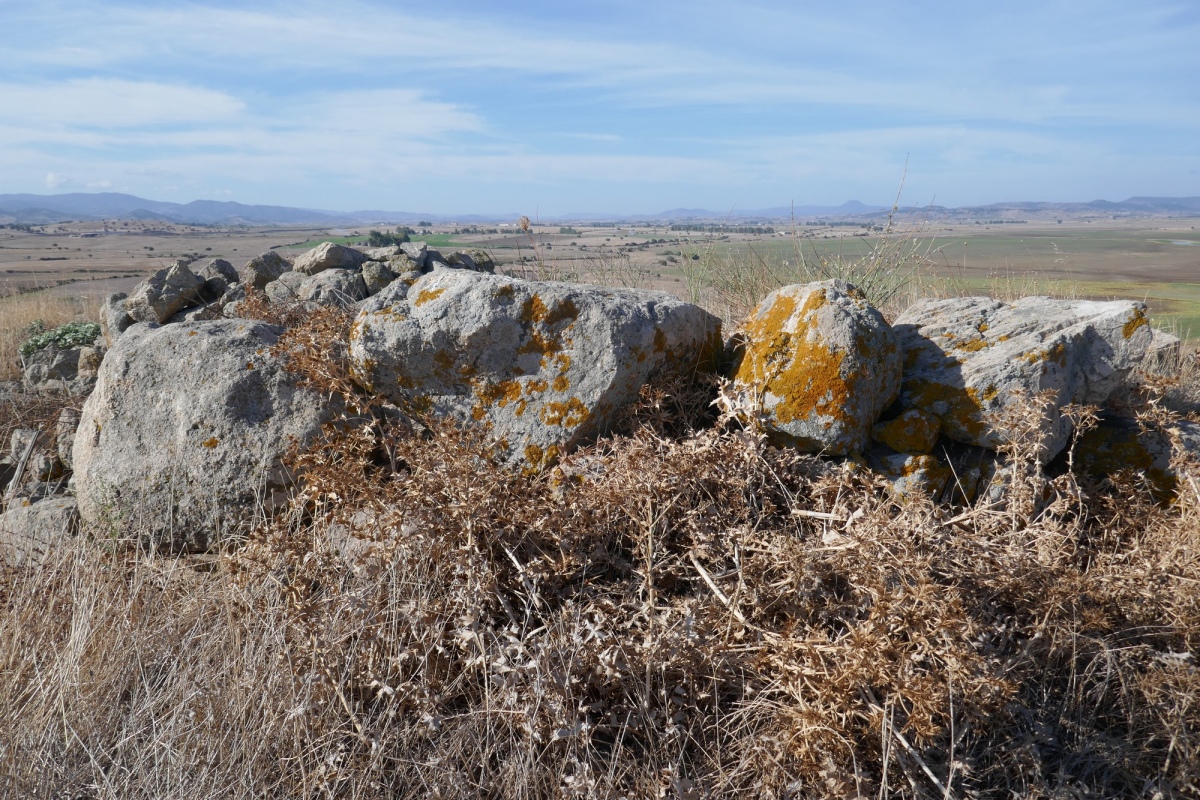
(1159, 267)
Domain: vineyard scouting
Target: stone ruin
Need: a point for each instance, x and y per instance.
(189, 412)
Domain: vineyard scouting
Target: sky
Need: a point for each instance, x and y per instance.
(606, 107)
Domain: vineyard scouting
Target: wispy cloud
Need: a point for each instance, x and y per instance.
(667, 104)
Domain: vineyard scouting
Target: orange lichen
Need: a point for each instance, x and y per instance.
(249, 365)
(535, 387)
(538, 459)
(427, 295)
(568, 415)
(1136, 321)
(914, 431)
(211, 443)
(561, 384)
(504, 291)
(798, 368)
(964, 406)
(534, 310)
(972, 346)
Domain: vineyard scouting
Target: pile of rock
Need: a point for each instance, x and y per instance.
(329, 274)
(184, 437)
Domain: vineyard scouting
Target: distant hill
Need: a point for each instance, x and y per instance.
(35, 209)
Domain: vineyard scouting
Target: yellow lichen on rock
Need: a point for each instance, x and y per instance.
(427, 295)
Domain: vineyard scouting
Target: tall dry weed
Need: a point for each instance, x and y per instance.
(674, 612)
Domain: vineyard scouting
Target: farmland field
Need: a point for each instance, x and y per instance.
(1156, 260)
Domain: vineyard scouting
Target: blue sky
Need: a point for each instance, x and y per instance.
(627, 107)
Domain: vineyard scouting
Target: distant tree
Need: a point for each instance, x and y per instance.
(380, 239)
(423, 224)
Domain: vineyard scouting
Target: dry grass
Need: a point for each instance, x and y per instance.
(672, 613)
(19, 311)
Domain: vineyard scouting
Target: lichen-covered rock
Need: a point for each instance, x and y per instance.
(333, 287)
(182, 439)
(376, 276)
(968, 359)
(914, 431)
(819, 363)
(164, 293)
(909, 475)
(29, 532)
(543, 365)
(329, 256)
(114, 319)
(262, 269)
(1116, 445)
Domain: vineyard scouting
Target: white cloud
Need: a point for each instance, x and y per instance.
(112, 104)
(54, 180)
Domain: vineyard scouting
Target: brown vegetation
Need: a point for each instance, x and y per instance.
(672, 612)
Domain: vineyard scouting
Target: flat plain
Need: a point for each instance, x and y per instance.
(1156, 260)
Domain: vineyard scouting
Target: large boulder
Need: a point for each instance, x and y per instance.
(164, 293)
(333, 287)
(543, 365)
(262, 269)
(218, 275)
(969, 359)
(114, 319)
(377, 275)
(1118, 444)
(818, 364)
(181, 440)
(329, 256)
(29, 532)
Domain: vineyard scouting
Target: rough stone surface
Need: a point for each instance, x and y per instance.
(968, 359)
(418, 252)
(914, 431)
(28, 533)
(1121, 444)
(910, 475)
(114, 319)
(819, 364)
(198, 313)
(545, 365)
(64, 434)
(164, 293)
(182, 438)
(329, 256)
(262, 269)
(218, 275)
(71, 370)
(376, 275)
(333, 287)
(383, 253)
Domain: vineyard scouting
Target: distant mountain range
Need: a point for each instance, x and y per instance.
(35, 209)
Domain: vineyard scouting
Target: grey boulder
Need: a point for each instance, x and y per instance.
(114, 319)
(164, 293)
(969, 360)
(333, 287)
(329, 256)
(182, 440)
(376, 275)
(542, 366)
(28, 533)
(262, 269)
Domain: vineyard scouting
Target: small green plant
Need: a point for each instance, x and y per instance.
(73, 334)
